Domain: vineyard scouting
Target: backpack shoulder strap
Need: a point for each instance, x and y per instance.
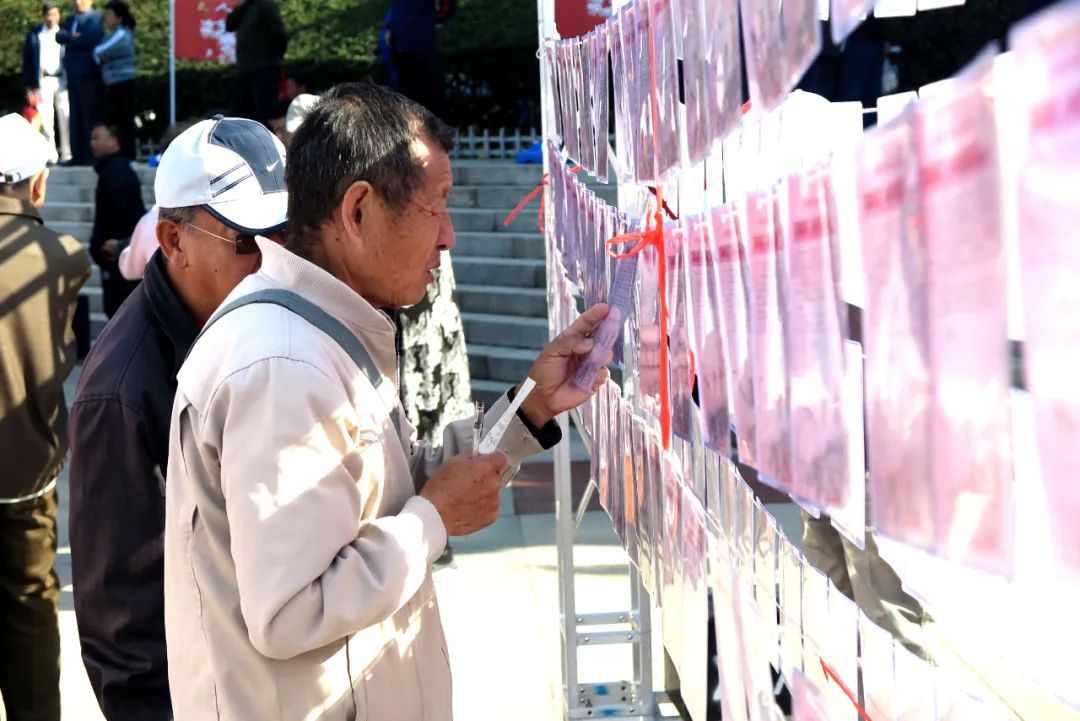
(319, 318)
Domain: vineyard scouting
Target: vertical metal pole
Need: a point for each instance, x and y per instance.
(172, 63)
(643, 671)
(564, 536)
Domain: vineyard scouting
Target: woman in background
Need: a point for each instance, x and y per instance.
(116, 55)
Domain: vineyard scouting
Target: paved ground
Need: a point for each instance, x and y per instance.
(500, 607)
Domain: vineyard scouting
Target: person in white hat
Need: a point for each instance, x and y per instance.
(220, 182)
(40, 277)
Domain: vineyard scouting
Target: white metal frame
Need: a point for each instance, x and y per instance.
(630, 699)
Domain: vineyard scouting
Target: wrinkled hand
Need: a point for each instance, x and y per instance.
(465, 491)
(556, 365)
(111, 248)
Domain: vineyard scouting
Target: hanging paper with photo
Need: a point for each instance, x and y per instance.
(620, 77)
(841, 653)
(599, 456)
(649, 329)
(654, 498)
(644, 479)
(583, 59)
(1045, 49)
(816, 323)
(665, 92)
(699, 88)
(970, 439)
(694, 682)
(850, 518)
(601, 117)
(791, 629)
(898, 384)
(763, 41)
(672, 559)
(878, 670)
(630, 477)
(764, 239)
(709, 344)
(766, 539)
(725, 60)
(802, 38)
(617, 509)
(731, 271)
(730, 648)
(681, 365)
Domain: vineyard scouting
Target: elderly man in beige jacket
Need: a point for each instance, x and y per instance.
(301, 518)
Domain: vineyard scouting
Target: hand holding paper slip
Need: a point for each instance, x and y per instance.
(552, 377)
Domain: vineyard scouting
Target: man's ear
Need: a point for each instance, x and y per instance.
(359, 199)
(172, 243)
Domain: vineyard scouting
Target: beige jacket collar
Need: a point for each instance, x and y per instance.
(288, 270)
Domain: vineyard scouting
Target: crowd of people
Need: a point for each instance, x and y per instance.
(252, 521)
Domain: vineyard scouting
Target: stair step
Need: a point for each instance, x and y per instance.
(499, 245)
(67, 212)
(498, 363)
(473, 220)
(86, 176)
(504, 272)
(505, 330)
(527, 302)
(97, 324)
(488, 173)
(79, 231)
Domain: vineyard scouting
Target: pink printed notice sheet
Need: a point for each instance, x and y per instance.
(708, 337)
(1048, 59)
(764, 239)
(731, 275)
(815, 344)
(894, 330)
(962, 229)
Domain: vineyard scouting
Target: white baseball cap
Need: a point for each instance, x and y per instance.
(24, 152)
(299, 108)
(232, 168)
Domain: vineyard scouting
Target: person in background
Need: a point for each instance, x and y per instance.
(40, 279)
(119, 423)
(43, 77)
(298, 110)
(118, 206)
(117, 59)
(411, 39)
(260, 50)
(80, 34)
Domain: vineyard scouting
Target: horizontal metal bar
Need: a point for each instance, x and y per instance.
(612, 711)
(607, 638)
(609, 689)
(606, 619)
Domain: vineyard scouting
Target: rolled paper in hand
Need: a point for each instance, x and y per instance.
(607, 333)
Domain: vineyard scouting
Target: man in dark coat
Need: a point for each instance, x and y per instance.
(260, 51)
(80, 34)
(118, 206)
(119, 427)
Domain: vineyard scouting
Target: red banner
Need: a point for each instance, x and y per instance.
(200, 30)
(577, 17)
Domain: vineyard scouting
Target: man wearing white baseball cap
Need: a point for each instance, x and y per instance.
(219, 183)
(40, 277)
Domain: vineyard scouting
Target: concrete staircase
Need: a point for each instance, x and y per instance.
(500, 271)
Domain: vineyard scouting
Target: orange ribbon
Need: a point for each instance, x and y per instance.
(538, 190)
(832, 675)
(654, 236)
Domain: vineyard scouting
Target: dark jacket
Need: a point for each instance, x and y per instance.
(40, 277)
(79, 53)
(31, 61)
(412, 26)
(118, 206)
(260, 35)
(119, 431)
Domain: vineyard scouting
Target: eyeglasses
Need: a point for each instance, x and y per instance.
(242, 244)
